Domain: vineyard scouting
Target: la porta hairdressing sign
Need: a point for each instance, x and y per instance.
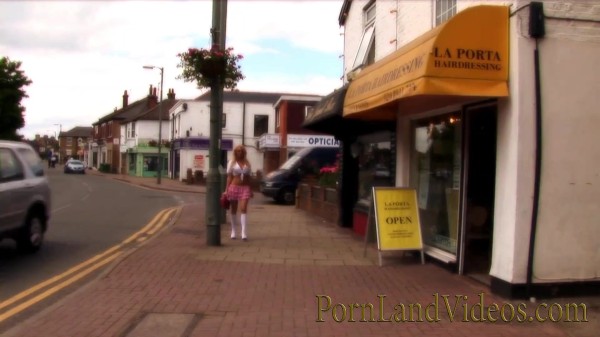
(312, 141)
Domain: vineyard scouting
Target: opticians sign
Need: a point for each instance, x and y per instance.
(312, 141)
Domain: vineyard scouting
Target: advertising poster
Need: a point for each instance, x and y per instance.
(397, 219)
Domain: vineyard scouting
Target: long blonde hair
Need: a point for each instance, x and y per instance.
(243, 154)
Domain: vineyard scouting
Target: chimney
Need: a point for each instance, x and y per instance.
(171, 94)
(125, 99)
(152, 98)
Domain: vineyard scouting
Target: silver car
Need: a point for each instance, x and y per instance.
(24, 196)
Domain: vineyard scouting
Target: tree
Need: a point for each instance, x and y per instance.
(12, 83)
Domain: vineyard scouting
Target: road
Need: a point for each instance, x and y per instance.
(90, 214)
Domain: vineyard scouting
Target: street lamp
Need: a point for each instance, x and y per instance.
(159, 121)
(58, 140)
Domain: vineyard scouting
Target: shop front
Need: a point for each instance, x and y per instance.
(441, 93)
(367, 152)
(192, 153)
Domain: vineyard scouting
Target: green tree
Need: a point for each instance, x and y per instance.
(12, 83)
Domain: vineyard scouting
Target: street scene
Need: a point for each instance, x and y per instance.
(380, 168)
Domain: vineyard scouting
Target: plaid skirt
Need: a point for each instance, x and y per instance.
(238, 192)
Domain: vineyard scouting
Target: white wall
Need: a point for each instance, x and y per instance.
(567, 235)
(197, 117)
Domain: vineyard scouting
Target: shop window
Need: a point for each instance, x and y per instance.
(261, 125)
(435, 174)
(444, 10)
(376, 157)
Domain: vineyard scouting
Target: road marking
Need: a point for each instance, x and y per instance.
(61, 208)
(56, 288)
(82, 269)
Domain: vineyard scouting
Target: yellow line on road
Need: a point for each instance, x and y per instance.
(158, 220)
(56, 288)
(161, 223)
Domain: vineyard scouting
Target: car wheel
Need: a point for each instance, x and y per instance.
(288, 196)
(30, 238)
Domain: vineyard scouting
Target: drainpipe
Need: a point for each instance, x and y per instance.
(243, 123)
(536, 30)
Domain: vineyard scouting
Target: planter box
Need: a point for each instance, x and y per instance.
(318, 200)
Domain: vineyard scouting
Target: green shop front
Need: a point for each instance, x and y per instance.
(143, 161)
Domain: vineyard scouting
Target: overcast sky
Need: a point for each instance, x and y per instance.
(81, 56)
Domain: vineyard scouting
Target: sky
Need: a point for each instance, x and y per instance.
(82, 55)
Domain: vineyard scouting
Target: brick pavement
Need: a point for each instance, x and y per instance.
(177, 285)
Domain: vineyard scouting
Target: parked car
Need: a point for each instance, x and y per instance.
(75, 166)
(281, 184)
(24, 196)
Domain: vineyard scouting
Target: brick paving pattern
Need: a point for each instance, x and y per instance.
(264, 287)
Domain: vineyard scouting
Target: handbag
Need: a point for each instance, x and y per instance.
(224, 201)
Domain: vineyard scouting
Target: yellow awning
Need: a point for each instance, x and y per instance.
(463, 58)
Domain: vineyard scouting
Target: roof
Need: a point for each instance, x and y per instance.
(250, 96)
(152, 114)
(78, 131)
(344, 12)
(129, 111)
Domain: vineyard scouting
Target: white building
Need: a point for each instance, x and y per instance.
(494, 107)
(246, 116)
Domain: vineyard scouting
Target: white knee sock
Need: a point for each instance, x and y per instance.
(243, 222)
(232, 216)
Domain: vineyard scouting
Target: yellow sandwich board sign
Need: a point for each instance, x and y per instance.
(397, 221)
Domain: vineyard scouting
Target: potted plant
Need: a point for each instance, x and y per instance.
(203, 66)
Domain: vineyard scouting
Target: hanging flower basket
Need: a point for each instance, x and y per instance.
(204, 66)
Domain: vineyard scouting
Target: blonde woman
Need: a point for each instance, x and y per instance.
(238, 188)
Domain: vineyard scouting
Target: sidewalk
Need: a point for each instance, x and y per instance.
(176, 285)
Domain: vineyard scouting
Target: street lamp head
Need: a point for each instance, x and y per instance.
(148, 67)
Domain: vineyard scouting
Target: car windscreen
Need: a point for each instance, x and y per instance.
(293, 161)
(75, 162)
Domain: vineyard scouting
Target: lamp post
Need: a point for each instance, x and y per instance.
(58, 140)
(159, 121)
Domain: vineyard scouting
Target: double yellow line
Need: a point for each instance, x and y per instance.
(45, 289)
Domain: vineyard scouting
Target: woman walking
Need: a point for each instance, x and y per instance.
(238, 188)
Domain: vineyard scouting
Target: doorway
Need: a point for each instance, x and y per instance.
(478, 202)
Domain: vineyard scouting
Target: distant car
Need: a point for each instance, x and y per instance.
(24, 196)
(75, 166)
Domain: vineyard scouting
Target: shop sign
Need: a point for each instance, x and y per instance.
(312, 141)
(268, 140)
(397, 222)
(199, 161)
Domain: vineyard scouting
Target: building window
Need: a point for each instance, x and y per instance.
(110, 129)
(444, 10)
(131, 130)
(69, 141)
(435, 174)
(365, 54)
(308, 110)
(224, 121)
(261, 125)
(277, 118)
(96, 130)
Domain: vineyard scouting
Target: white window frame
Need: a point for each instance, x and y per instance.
(131, 131)
(367, 39)
(444, 10)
